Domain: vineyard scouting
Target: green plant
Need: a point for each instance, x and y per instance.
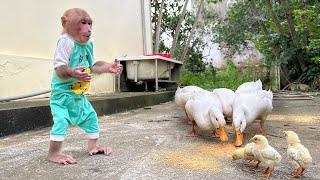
(286, 32)
(311, 74)
(228, 77)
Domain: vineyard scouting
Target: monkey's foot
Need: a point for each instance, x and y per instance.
(99, 150)
(62, 159)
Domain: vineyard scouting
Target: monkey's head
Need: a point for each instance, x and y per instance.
(78, 24)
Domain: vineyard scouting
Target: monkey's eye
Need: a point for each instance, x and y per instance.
(86, 22)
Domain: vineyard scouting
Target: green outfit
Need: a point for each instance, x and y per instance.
(67, 107)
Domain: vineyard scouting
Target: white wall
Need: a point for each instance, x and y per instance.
(30, 30)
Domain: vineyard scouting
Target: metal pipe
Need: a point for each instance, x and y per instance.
(24, 96)
(156, 71)
(135, 65)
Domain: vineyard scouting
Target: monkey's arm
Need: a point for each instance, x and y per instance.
(65, 72)
(104, 67)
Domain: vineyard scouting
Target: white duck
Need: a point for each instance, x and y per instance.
(205, 111)
(182, 95)
(226, 97)
(250, 106)
(249, 86)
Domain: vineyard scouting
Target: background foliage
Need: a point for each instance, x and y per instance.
(242, 24)
(285, 31)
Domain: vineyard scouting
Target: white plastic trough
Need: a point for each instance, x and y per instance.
(143, 68)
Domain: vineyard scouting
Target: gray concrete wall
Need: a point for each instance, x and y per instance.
(16, 117)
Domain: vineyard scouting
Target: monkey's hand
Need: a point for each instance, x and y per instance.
(80, 74)
(115, 67)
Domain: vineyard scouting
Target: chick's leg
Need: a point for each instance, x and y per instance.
(301, 173)
(267, 172)
(255, 167)
(297, 172)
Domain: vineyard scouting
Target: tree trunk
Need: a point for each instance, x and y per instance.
(177, 31)
(294, 38)
(279, 30)
(306, 34)
(193, 30)
(156, 7)
(264, 29)
(274, 48)
(157, 42)
(274, 17)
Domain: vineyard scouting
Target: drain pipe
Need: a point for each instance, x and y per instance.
(24, 96)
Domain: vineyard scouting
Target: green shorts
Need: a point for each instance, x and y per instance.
(72, 109)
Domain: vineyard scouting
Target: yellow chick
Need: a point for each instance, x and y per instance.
(246, 153)
(298, 153)
(265, 154)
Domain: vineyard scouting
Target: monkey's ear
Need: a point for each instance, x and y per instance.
(64, 21)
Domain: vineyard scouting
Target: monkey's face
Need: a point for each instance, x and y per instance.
(83, 31)
(78, 24)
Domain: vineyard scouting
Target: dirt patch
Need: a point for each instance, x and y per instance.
(296, 118)
(209, 157)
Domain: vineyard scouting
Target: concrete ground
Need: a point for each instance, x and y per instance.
(150, 143)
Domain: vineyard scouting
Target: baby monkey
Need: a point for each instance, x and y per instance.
(73, 64)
